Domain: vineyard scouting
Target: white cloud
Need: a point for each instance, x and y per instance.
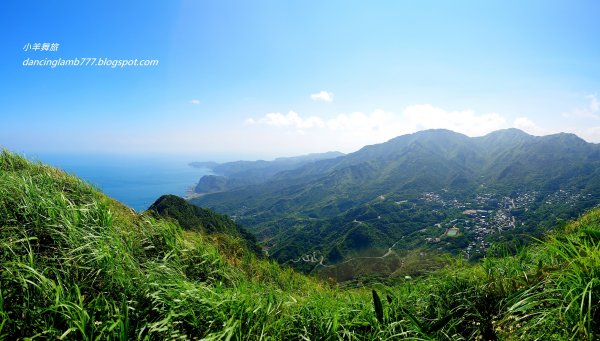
(591, 110)
(380, 125)
(527, 125)
(583, 120)
(590, 134)
(292, 119)
(594, 105)
(426, 116)
(348, 132)
(195, 101)
(377, 123)
(323, 96)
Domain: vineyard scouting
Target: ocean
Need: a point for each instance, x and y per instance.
(136, 181)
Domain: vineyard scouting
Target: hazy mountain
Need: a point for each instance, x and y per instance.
(395, 193)
(241, 173)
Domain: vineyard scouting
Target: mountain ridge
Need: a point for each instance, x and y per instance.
(237, 174)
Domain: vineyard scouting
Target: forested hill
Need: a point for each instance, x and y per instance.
(194, 218)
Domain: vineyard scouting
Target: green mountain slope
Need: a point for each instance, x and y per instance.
(409, 191)
(75, 264)
(192, 217)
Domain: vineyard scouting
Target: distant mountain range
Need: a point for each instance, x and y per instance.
(409, 192)
(242, 173)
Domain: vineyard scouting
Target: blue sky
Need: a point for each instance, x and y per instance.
(250, 79)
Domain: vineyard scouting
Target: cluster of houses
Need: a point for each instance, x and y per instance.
(478, 223)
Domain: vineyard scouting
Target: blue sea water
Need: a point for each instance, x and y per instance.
(136, 181)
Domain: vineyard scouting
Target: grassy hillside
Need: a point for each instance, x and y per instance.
(75, 264)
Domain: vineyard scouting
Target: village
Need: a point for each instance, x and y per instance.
(486, 214)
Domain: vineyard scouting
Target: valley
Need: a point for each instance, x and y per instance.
(469, 228)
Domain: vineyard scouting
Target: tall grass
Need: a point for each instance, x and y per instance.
(565, 300)
(75, 264)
